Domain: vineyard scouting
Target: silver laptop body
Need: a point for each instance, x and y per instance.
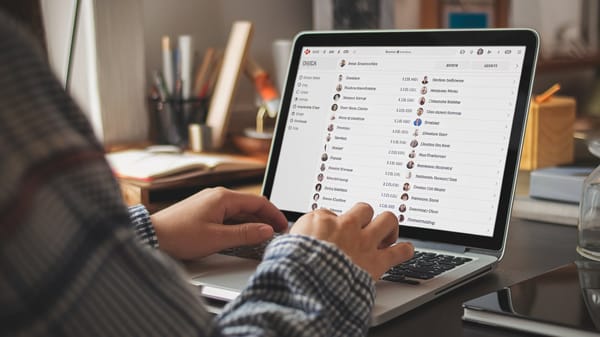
(428, 124)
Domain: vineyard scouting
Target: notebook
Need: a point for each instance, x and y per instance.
(427, 124)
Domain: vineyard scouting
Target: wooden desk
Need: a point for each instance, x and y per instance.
(532, 249)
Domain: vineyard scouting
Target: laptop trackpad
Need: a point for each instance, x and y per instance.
(222, 277)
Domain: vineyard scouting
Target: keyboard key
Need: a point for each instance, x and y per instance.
(424, 266)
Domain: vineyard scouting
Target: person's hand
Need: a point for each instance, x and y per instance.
(216, 219)
(369, 244)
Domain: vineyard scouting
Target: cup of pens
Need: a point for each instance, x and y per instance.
(173, 116)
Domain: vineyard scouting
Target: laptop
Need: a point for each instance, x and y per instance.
(427, 124)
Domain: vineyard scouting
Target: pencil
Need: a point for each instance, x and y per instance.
(546, 95)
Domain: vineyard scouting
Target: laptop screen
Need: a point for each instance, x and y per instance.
(423, 131)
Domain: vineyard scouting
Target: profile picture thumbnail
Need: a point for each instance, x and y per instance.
(422, 100)
(334, 107)
(402, 208)
(425, 80)
(419, 111)
(410, 164)
(400, 217)
(336, 97)
(414, 143)
(314, 206)
(404, 196)
(342, 63)
(417, 122)
(318, 187)
(324, 157)
(316, 197)
(330, 127)
(423, 90)
(320, 176)
(406, 187)
(338, 87)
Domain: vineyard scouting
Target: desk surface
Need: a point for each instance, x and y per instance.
(532, 249)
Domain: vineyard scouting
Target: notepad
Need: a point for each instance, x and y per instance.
(147, 165)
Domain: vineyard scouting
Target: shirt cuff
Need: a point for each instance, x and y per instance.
(140, 218)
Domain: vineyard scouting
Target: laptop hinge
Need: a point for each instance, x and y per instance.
(482, 251)
(438, 246)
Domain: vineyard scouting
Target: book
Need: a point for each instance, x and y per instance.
(562, 302)
(560, 183)
(226, 85)
(160, 166)
(526, 207)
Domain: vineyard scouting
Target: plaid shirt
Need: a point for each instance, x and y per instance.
(72, 265)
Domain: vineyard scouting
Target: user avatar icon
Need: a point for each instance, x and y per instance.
(314, 206)
(425, 80)
(400, 217)
(414, 143)
(338, 88)
(406, 187)
(342, 63)
(318, 187)
(418, 122)
(336, 97)
(410, 164)
(316, 197)
(419, 111)
(423, 90)
(422, 100)
(334, 107)
(320, 176)
(404, 196)
(340, 77)
(402, 208)
(330, 127)
(324, 157)
(412, 154)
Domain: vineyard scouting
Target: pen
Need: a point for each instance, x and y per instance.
(546, 95)
(159, 82)
(167, 57)
(185, 58)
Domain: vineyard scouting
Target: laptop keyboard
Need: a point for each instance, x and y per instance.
(423, 266)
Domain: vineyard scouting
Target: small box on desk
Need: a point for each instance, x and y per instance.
(163, 192)
(549, 134)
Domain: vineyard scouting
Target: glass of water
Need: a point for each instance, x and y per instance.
(588, 239)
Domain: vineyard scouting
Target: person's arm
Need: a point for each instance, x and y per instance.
(71, 265)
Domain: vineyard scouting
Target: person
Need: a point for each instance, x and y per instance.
(422, 100)
(342, 63)
(336, 97)
(419, 111)
(76, 260)
(316, 197)
(318, 187)
(406, 187)
(404, 196)
(402, 208)
(410, 164)
(425, 80)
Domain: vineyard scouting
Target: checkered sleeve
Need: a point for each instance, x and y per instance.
(303, 287)
(140, 219)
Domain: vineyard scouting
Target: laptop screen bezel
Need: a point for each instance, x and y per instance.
(488, 37)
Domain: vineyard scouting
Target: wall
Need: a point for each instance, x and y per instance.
(209, 22)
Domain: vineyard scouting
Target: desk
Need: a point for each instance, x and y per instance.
(532, 249)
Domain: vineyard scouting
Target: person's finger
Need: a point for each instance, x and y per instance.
(258, 207)
(398, 253)
(383, 229)
(360, 214)
(242, 235)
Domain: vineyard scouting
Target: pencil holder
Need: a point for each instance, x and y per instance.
(173, 117)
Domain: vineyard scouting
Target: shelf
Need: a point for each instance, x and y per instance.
(555, 64)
